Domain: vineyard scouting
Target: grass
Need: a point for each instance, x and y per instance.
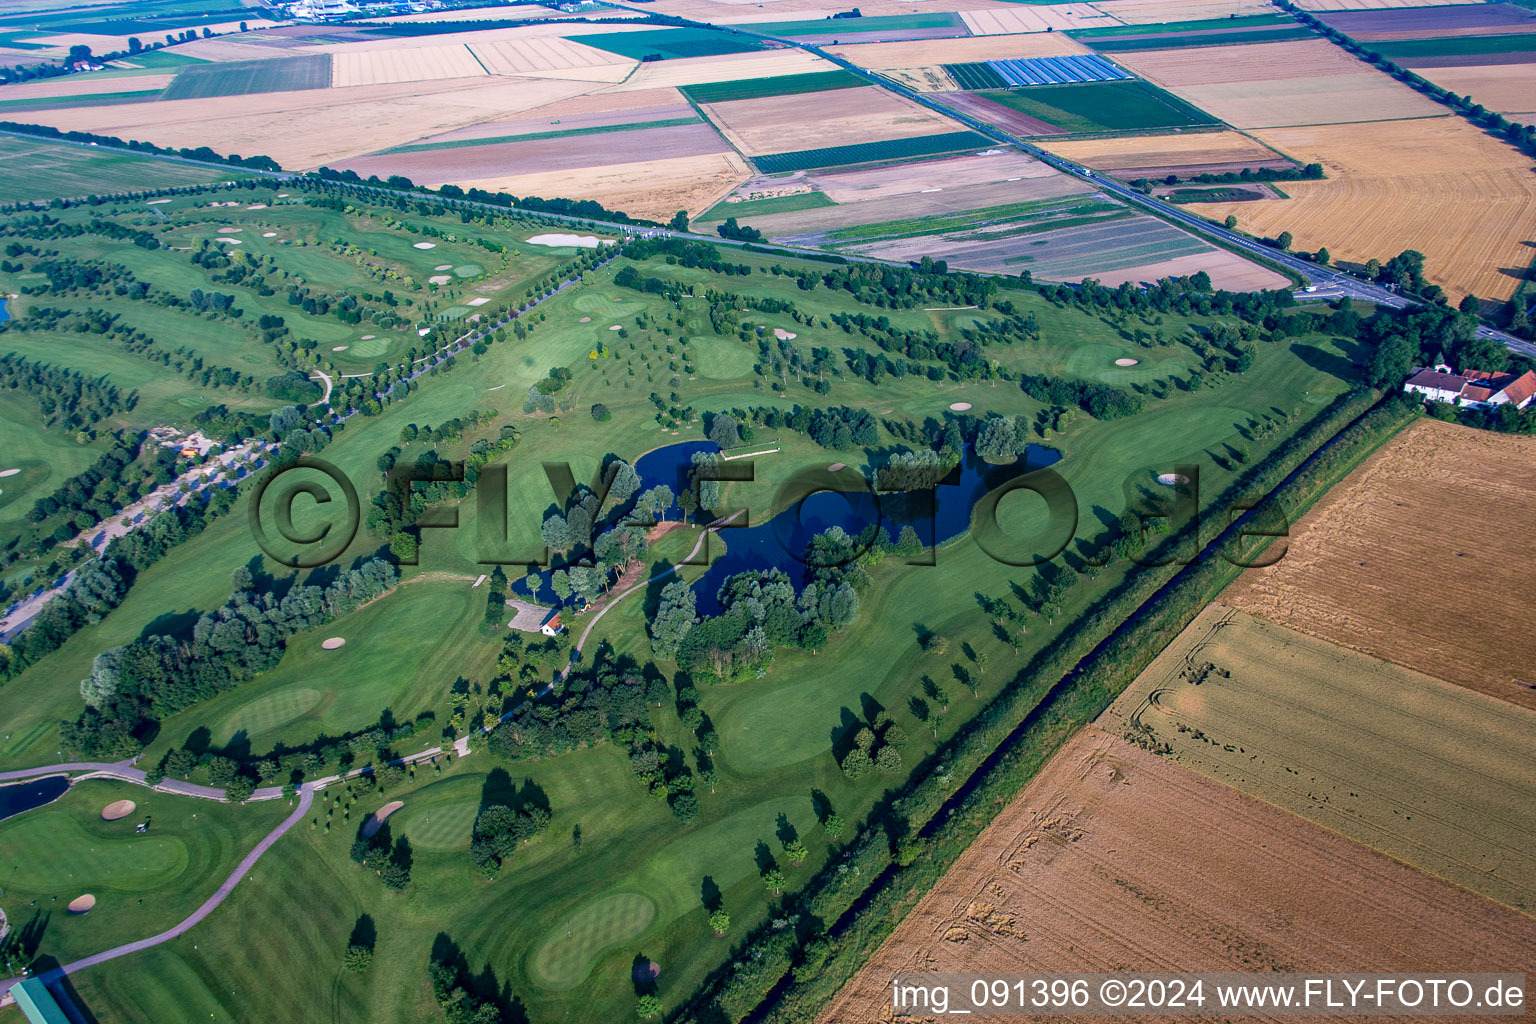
(783, 85)
(667, 43)
(601, 129)
(260, 959)
(242, 78)
(869, 152)
(1103, 106)
(1454, 45)
(858, 26)
(762, 207)
(142, 883)
(978, 75)
(1178, 27)
(46, 458)
(34, 170)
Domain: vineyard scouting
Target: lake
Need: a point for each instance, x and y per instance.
(23, 796)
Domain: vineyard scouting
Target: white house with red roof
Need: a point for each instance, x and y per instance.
(1473, 389)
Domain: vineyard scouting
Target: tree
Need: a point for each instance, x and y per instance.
(686, 501)
(720, 921)
(675, 617)
(358, 958)
(888, 760)
(725, 431)
(561, 581)
(679, 221)
(239, 789)
(600, 413)
(857, 763)
(1470, 304)
(1231, 221)
(1284, 241)
(796, 851)
(403, 547)
(834, 825)
(773, 879)
(1322, 257)
(647, 1006)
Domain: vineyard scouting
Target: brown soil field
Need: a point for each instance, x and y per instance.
(723, 68)
(905, 207)
(1430, 20)
(878, 56)
(1227, 269)
(552, 117)
(932, 78)
(841, 117)
(1505, 88)
(1155, 12)
(1405, 523)
(1009, 120)
(998, 21)
(537, 156)
(1364, 5)
(1427, 772)
(1114, 859)
(1244, 62)
(518, 56)
(1176, 152)
(82, 85)
(1007, 165)
(338, 123)
(408, 64)
(1438, 185)
(1329, 99)
(653, 189)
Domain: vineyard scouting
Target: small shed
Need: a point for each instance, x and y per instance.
(38, 1004)
(552, 625)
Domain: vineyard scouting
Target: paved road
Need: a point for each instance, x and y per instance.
(306, 798)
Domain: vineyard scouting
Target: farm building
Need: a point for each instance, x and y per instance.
(1476, 389)
(552, 625)
(37, 1003)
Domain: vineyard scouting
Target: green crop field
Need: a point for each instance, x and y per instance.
(1103, 106)
(1458, 46)
(783, 85)
(860, 26)
(1177, 40)
(762, 207)
(870, 152)
(667, 43)
(31, 169)
(602, 129)
(980, 75)
(616, 876)
(1247, 21)
(143, 883)
(240, 78)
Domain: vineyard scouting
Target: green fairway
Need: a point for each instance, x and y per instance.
(564, 958)
(31, 169)
(143, 883)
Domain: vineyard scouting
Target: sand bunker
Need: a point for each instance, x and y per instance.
(477, 302)
(959, 406)
(368, 337)
(9, 472)
(425, 245)
(439, 279)
(231, 241)
(230, 231)
(156, 202)
(333, 643)
(1126, 362)
(257, 206)
(82, 904)
(373, 824)
(339, 348)
(648, 971)
(615, 327)
(445, 266)
(837, 467)
(269, 234)
(585, 320)
(117, 809)
(783, 335)
(580, 241)
(1172, 479)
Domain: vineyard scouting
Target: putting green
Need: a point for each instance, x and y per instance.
(1097, 362)
(52, 851)
(454, 312)
(266, 714)
(445, 826)
(366, 349)
(722, 358)
(574, 943)
(596, 302)
(468, 270)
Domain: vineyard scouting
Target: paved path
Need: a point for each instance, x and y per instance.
(306, 798)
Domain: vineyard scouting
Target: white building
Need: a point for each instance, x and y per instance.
(319, 10)
(1475, 389)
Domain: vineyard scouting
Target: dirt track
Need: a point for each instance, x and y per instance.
(1115, 859)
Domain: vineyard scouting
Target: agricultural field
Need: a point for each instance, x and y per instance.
(826, 120)
(668, 43)
(289, 74)
(1437, 185)
(1426, 772)
(1077, 873)
(561, 925)
(1263, 28)
(1185, 154)
(1101, 106)
(1372, 539)
(870, 152)
(31, 169)
(1162, 12)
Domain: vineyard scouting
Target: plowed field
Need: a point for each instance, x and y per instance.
(1114, 859)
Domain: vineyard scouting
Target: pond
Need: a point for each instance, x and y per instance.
(24, 796)
(4, 315)
(781, 542)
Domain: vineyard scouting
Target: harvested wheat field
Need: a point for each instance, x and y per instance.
(1157, 12)
(1371, 5)
(653, 189)
(1183, 153)
(1508, 89)
(932, 78)
(813, 120)
(81, 85)
(338, 123)
(1242, 62)
(727, 67)
(930, 176)
(1329, 99)
(1089, 869)
(1409, 522)
(1438, 185)
(519, 56)
(1430, 773)
(413, 64)
(878, 56)
(999, 21)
